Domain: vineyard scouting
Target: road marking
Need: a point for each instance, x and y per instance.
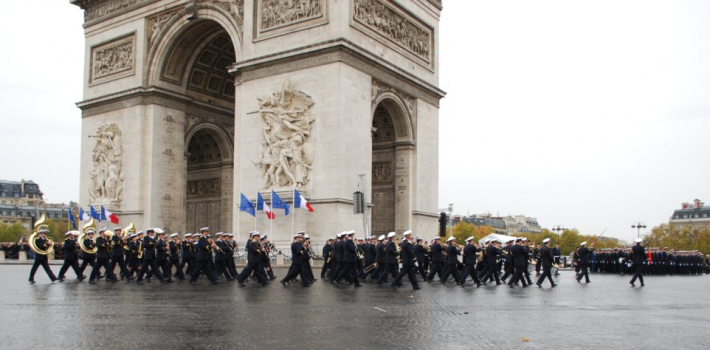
(377, 308)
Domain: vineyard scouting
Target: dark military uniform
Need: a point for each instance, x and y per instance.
(70, 259)
(253, 264)
(546, 259)
(437, 261)
(149, 260)
(41, 260)
(583, 262)
(469, 252)
(327, 259)
(174, 260)
(639, 258)
(102, 260)
(408, 259)
(390, 262)
(451, 264)
(520, 258)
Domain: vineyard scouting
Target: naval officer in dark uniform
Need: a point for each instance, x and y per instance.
(547, 257)
(639, 258)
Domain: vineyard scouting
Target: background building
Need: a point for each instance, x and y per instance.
(22, 202)
(692, 215)
(507, 225)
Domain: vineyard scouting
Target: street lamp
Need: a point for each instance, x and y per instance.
(638, 225)
(558, 229)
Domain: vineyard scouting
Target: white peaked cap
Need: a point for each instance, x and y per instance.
(545, 240)
(391, 234)
(381, 237)
(450, 239)
(407, 233)
(638, 240)
(583, 243)
(469, 239)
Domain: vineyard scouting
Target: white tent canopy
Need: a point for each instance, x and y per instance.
(496, 237)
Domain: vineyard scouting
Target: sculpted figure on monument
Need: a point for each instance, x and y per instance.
(277, 12)
(386, 21)
(286, 155)
(107, 176)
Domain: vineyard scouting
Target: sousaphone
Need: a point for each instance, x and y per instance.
(40, 225)
(89, 225)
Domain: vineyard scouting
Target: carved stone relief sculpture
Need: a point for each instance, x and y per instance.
(275, 13)
(287, 154)
(381, 17)
(203, 187)
(107, 175)
(114, 59)
(271, 16)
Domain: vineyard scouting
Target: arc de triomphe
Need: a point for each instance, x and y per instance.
(188, 103)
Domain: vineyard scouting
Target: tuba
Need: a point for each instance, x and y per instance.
(131, 228)
(87, 226)
(39, 225)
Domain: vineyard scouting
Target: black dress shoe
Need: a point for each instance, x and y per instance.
(215, 282)
(394, 287)
(632, 285)
(61, 279)
(461, 285)
(32, 281)
(358, 285)
(511, 286)
(417, 288)
(241, 283)
(139, 282)
(92, 282)
(283, 283)
(194, 283)
(538, 285)
(554, 285)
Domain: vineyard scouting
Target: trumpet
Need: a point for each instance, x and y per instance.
(39, 225)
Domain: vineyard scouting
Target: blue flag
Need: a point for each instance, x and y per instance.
(247, 206)
(72, 219)
(103, 214)
(93, 213)
(278, 203)
(259, 202)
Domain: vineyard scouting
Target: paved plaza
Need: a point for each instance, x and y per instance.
(670, 312)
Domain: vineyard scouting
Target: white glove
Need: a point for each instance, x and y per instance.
(416, 264)
(400, 266)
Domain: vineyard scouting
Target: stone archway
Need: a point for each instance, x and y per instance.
(210, 166)
(392, 156)
(192, 63)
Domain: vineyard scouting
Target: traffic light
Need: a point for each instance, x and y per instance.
(442, 224)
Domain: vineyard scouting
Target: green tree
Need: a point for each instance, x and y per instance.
(11, 233)
(569, 240)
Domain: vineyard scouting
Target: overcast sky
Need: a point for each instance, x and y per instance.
(590, 115)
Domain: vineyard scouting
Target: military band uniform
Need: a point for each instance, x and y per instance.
(520, 258)
(546, 258)
(327, 259)
(102, 260)
(583, 262)
(491, 262)
(437, 262)
(469, 252)
(204, 256)
(451, 264)
(87, 259)
(187, 257)
(349, 271)
(408, 261)
(41, 260)
(253, 264)
(161, 257)
(175, 260)
(117, 257)
(149, 261)
(390, 262)
(69, 253)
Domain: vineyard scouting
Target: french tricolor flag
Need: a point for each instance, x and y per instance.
(107, 215)
(300, 201)
(261, 205)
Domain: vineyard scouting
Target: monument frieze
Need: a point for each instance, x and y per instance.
(273, 18)
(112, 60)
(389, 23)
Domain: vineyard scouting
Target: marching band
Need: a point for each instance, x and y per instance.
(142, 256)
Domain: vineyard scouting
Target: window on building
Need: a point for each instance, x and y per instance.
(12, 213)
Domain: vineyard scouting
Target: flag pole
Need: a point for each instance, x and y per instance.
(293, 218)
(256, 208)
(239, 221)
(271, 221)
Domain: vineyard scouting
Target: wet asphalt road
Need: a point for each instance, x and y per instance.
(671, 312)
